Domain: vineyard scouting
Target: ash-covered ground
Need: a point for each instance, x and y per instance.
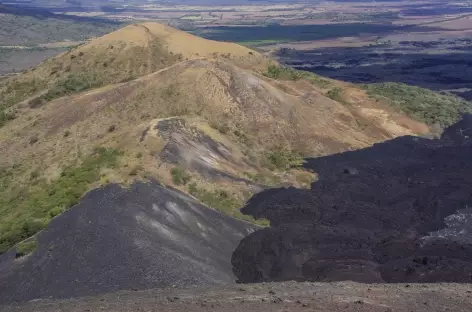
(141, 237)
(396, 212)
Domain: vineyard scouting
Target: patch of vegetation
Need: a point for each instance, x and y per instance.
(268, 179)
(27, 209)
(16, 91)
(422, 104)
(336, 95)
(76, 74)
(5, 117)
(179, 176)
(283, 159)
(222, 128)
(259, 43)
(288, 73)
(224, 202)
(170, 92)
(26, 247)
(73, 83)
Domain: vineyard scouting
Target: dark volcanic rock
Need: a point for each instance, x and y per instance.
(395, 212)
(115, 238)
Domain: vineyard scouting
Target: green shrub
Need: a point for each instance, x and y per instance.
(73, 83)
(27, 210)
(16, 91)
(5, 117)
(34, 174)
(283, 159)
(288, 73)
(224, 202)
(36, 102)
(222, 128)
(336, 95)
(268, 179)
(285, 73)
(31, 227)
(179, 176)
(54, 212)
(26, 247)
(422, 104)
(192, 189)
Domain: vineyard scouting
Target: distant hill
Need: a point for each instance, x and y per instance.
(27, 26)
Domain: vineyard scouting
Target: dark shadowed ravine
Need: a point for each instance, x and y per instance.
(140, 237)
(397, 212)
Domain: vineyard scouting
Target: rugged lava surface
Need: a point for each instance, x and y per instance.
(395, 212)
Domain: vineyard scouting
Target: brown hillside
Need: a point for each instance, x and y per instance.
(212, 125)
(133, 51)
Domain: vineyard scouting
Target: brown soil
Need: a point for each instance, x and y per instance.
(289, 296)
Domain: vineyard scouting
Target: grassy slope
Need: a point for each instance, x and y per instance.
(27, 209)
(422, 104)
(131, 52)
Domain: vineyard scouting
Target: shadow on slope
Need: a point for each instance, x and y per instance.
(143, 237)
(395, 212)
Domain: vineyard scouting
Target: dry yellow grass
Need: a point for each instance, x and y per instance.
(131, 52)
(254, 115)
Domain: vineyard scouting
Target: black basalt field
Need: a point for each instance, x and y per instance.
(394, 212)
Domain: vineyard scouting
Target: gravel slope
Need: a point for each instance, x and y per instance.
(142, 237)
(289, 296)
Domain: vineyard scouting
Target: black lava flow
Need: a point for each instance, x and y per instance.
(395, 212)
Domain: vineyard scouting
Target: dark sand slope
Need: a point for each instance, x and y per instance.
(115, 238)
(396, 212)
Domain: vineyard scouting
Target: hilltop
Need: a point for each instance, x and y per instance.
(131, 52)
